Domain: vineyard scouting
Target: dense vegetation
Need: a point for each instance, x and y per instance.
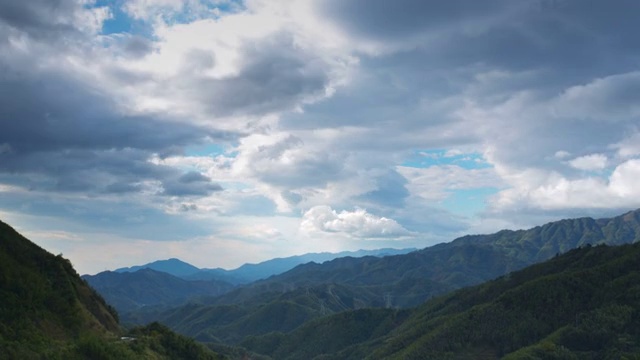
(48, 312)
(584, 304)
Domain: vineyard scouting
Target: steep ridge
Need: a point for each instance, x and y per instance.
(583, 304)
(43, 298)
(396, 281)
(48, 312)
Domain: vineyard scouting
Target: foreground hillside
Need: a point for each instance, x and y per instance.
(311, 291)
(48, 312)
(584, 304)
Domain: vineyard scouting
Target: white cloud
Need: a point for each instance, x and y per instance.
(611, 99)
(629, 146)
(183, 10)
(358, 223)
(624, 182)
(554, 191)
(589, 162)
(435, 182)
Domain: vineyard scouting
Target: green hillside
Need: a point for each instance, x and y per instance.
(584, 304)
(48, 312)
(581, 305)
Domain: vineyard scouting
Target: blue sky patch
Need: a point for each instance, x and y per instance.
(119, 22)
(205, 150)
(428, 158)
(468, 202)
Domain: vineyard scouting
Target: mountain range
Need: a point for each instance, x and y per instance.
(167, 283)
(312, 291)
(251, 272)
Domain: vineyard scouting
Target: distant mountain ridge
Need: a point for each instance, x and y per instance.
(168, 283)
(128, 291)
(173, 266)
(251, 272)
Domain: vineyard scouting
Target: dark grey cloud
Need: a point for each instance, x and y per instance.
(59, 128)
(190, 184)
(41, 19)
(390, 191)
(388, 20)
(592, 36)
(52, 112)
(127, 218)
(485, 53)
(59, 132)
(274, 75)
(137, 46)
(291, 197)
(83, 170)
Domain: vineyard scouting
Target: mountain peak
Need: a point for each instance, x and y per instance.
(173, 266)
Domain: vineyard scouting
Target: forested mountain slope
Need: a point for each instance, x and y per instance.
(584, 304)
(48, 312)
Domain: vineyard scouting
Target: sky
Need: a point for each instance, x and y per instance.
(223, 132)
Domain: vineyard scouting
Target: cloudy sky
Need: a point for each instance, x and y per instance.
(223, 132)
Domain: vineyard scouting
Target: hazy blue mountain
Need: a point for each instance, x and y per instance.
(128, 291)
(171, 266)
(251, 272)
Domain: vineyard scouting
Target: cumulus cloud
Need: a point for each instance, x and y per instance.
(172, 10)
(589, 162)
(358, 223)
(553, 192)
(190, 184)
(49, 20)
(610, 99)
(436, 182)
(629, 146)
